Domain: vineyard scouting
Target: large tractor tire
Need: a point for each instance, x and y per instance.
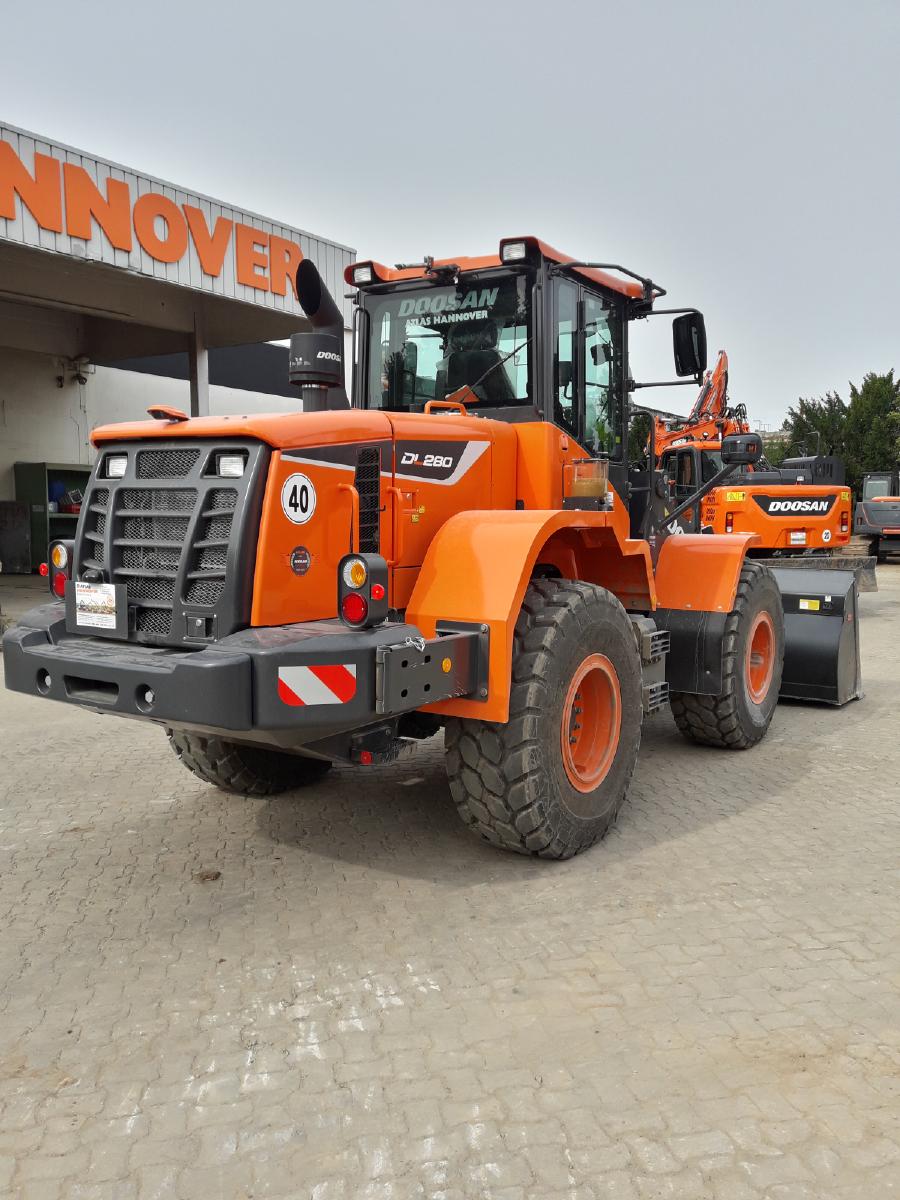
(247, 770)
(550, 781)
(753, 653)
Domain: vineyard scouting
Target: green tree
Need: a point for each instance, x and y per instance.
(873, 425)
(776, 452)
(638, 433)
(816, 426)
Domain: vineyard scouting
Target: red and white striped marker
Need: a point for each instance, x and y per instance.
(330, 683)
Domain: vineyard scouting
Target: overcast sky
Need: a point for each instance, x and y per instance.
(743, 154)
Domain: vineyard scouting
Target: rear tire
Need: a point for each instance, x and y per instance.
(247, 770)
(753, 656)
(550, 781)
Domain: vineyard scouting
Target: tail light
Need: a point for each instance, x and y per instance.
(354, 608)
(845, 522)
(59, 566)
(729, 522)
(362, 590)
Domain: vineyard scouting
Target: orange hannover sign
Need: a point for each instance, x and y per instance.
(95, 210)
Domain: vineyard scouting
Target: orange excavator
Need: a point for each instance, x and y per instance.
(802, 506)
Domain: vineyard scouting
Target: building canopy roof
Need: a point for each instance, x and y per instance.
(101, 260)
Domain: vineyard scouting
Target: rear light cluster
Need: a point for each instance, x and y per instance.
(362, 590)
(845, 522)
(729, 522)
(59, 568)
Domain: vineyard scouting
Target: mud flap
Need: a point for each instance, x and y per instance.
(821, 634)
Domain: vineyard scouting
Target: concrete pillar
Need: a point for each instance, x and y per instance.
(199, 368)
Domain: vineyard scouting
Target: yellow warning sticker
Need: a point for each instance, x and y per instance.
(810, 605)
(845, 497)
(735, 497)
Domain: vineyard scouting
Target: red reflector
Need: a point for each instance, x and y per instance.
(59, 583)
(377, 591)
(354, 608)
(365, 757)
(44, 570)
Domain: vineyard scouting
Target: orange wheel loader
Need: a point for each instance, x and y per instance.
(802, 507)
(463, 545)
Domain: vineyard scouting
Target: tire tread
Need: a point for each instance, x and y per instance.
(246, 770)
(491, 766)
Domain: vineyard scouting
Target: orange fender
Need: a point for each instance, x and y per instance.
(700, 571)
(478, 567)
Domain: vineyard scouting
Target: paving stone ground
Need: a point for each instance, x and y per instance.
(341, 994)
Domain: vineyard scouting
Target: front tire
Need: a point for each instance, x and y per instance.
(549, 782)
(246, 770)
(753, 656)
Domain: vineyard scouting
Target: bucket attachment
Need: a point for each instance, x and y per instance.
(821, 634)
(862, 566)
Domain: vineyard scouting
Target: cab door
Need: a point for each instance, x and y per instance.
(588, 368)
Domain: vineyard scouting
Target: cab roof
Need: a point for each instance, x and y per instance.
(382, 274)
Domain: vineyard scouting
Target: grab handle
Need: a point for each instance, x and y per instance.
(354, 515)
(397, 526)
(451, 405)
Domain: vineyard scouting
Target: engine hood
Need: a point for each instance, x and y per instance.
(278, 430)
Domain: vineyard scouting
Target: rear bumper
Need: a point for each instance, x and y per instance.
(297, 683)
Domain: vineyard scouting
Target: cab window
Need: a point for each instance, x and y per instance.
(712, 464)
(685, 474)
(602, 427)
(588, 365)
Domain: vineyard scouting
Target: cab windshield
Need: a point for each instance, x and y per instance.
(426, 343)
(711, 464)
(878, 485)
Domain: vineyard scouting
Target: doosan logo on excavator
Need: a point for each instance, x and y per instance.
(818, 506)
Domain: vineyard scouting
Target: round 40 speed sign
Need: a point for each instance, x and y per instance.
(298, 498)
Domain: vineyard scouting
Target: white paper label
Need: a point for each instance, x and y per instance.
(95, 605)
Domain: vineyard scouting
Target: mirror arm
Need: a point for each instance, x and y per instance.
(669, 312)
(694, 381)
(703, 491)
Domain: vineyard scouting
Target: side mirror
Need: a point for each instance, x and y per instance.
(601, 352)
(565, 373)
(741, 449)
(689, 344)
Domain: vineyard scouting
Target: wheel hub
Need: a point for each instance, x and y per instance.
(760, 663)
(591, 723)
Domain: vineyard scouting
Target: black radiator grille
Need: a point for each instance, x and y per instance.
(160, 501)
(165, 464)
(368, 484)
(155, 621)
(206, 577)
(174, 545)
(151, 558)
(154, 529)
(95, 528)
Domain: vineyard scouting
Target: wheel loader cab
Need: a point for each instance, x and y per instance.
(519, 341)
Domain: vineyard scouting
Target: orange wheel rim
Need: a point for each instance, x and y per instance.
(591, 723)
(760, 657)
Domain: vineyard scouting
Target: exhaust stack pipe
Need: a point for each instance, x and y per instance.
(317, 357)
